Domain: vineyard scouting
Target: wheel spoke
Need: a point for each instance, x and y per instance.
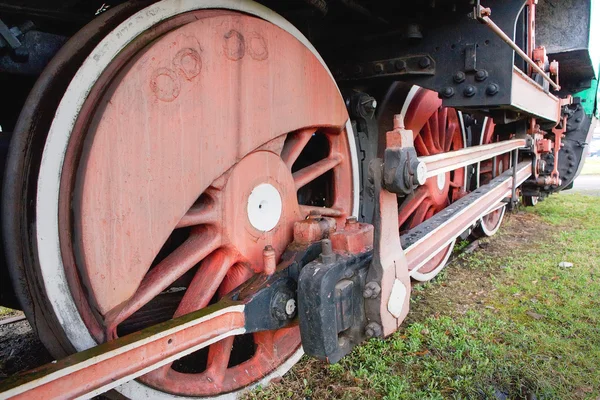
(294, 146)
(218, 359)
(430, 213)
(201, 243)
(436, 131)
(237, 274)
(410, 204)
(455, 137)
(428, 138)
(420, 146)
(204, 212)
(420, 213)
(443, 129)
(312, 172)
(209, 276)
(264, 344)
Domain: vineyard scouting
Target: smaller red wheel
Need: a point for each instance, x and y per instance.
(436, 130)
(489, 224)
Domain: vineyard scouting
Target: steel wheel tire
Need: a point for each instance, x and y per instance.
(54, 304)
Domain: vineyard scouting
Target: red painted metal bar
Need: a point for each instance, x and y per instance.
(108, 365)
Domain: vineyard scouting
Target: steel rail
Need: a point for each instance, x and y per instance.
(445, 162)
(101, 368)
(482, 15)
(438, 231)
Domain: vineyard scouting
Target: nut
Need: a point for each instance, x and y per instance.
(448, 92)
(459, 77)
(373, 330)
(372, 290)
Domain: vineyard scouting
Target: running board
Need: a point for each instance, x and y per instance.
(441, 229)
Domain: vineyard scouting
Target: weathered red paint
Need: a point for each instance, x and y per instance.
(176, 134)
(354, 238)
(176, 117)
(436, 130)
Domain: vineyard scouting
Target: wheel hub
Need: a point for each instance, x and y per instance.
(264, 184)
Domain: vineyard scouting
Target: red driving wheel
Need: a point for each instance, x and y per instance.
(184, 145)
(436, 130)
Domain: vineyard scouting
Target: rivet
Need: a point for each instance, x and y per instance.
(459, 77)
(470, 91)
(481, 75)
(448, 92)
(492, 90)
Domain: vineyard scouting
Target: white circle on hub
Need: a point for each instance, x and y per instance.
(264, 207)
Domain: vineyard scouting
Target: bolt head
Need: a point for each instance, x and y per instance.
(400, 65)
(357, 70)
(373, 330)
(470, 91)
(459, 77)
(492, 89)
(424, 62)
(481, 75)
(378, 68)
(372, 290)
(448, 92)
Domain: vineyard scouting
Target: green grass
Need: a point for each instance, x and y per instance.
(505, 319)
(591, 167)
(5, 311)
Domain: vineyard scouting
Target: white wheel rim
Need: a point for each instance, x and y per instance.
(47, 231)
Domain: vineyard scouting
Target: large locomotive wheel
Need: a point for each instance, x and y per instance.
(489, 224)
(436, 130)
(191, 138)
